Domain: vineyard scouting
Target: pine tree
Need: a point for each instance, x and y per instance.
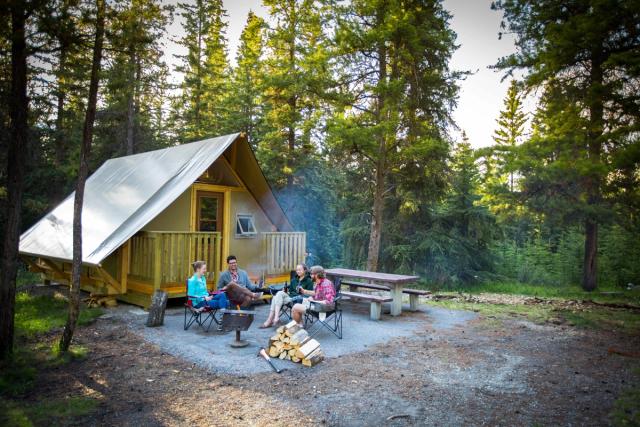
(509, 133)
(584, 55)
(296, 75)
(395, 105)
(136, 77)
(200, 107)
(245, 106)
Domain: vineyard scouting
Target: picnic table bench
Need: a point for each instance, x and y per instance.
(375, 300)
(392, 282)
(414, 294)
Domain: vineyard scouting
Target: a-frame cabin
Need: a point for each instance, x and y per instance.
(147, 216)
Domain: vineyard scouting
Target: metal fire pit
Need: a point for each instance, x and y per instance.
(237, 320)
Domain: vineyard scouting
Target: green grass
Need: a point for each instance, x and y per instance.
(37, 316)
(40, 314)
(565, 292)
(595, 318)
(45, 412)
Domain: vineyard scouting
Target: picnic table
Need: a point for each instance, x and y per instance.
(395, 282)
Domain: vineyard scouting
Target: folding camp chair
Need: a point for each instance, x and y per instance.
(285, 310)
(203, 317)
(327, 316)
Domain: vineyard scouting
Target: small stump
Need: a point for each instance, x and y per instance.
(237, 320)
(157, 308)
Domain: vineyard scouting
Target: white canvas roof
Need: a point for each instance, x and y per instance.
(121, 197)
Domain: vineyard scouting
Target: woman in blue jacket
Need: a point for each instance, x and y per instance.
(197, 290)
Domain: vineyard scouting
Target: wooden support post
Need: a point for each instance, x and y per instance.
(108, 279)
(396, 294)
(376, 310)
(218, 260)
(157, 262)
(124, 265)
(413, 302)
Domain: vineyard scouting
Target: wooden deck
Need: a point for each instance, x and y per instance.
(153, 260)
(283, 251)
(162, 260)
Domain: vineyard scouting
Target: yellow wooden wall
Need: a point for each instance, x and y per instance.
(250, 251)
(176, 217)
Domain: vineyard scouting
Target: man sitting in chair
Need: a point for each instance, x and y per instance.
(197, 289)
(234, 274)
(323, 293)
(235, 282)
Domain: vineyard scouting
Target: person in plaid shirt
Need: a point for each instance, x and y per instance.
(323, 292)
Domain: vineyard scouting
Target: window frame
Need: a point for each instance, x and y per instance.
(252, 224)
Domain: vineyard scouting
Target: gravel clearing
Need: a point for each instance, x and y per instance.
(211, 350)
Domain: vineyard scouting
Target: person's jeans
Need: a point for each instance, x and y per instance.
(218, 301)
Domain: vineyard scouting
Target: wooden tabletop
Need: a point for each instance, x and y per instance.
(372, 275)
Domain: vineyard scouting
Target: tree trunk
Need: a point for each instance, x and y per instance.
(157, 308)
(291, 134)
(60, 141)
(376, 221)
(130, 104)
(16, 165)
(85, 149)
(590, 266)
(373, 254)
(593, 181)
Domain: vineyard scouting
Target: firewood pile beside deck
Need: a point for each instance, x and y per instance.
(292, 342)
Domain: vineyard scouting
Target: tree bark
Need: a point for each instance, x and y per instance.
(590, 266)
(16, 168)
(593, 181)
(61, 149)
(373, 253)
(291, 134)
(130, 104)
(157, 308)
(85, 149)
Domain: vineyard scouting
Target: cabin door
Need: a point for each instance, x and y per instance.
(209, 211)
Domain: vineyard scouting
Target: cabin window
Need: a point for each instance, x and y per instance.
(245, 226)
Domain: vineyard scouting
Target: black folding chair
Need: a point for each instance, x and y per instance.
(320, 316)
(285, 310)
(203, 316)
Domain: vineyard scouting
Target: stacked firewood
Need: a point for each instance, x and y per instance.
(292, 342)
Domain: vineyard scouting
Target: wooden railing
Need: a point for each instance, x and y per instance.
(160, 257)
(284, 250)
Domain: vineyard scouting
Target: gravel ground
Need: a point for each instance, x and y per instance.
(211, 350)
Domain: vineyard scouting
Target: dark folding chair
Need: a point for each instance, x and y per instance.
(285, 310)
(203, 317)
(320, 316)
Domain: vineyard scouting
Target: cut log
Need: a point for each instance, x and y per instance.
(290, 325)
(295, 359)
(280, 330)
(298, 337)
(307, 348)
(282, 355)
(273, 352)
(314, 358)
(157, 308)
(292, 330)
